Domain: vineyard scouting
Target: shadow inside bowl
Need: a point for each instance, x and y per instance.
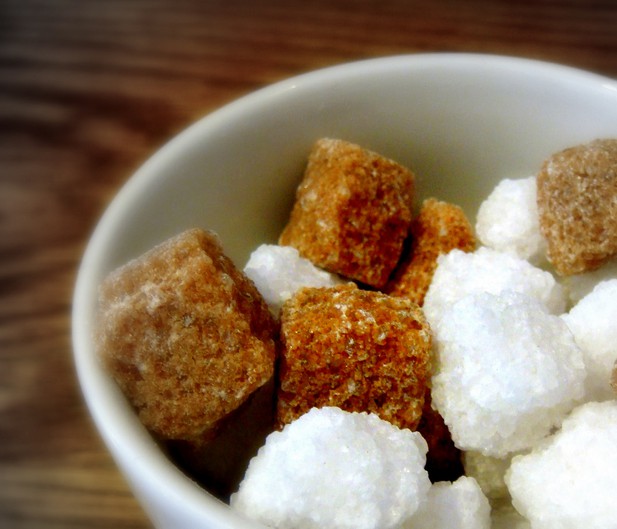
(219, 464)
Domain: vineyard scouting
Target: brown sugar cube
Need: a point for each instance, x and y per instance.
(186, 335)
(577, 205)
(438, 228)
(614, 378)
(352, 212)
(355, 349)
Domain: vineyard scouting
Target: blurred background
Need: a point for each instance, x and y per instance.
(88, 90)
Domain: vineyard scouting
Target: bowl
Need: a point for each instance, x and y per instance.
(461, 122)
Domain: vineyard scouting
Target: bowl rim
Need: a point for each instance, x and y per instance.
(138, 449)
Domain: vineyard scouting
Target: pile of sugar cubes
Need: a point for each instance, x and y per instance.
(523, 360)
(423, 373)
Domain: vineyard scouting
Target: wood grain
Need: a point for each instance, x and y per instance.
(88, 90)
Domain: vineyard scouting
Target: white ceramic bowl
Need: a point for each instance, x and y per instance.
(460, 121)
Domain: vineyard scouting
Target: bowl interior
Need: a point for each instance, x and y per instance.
(460, 122)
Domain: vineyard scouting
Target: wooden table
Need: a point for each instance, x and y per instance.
(88, 90)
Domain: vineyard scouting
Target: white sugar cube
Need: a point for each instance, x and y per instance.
(460, 273)
(457, 505)
(593, 322)
(508, 220)
(279, 271)
(506, 372)
(570, 480)
(489, 472)
(336, 469)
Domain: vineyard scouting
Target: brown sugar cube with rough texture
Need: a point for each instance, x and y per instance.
(185, 335)
(614, 378)
(438, 228)
(356, 349)
(352, 212)
(577, 205)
